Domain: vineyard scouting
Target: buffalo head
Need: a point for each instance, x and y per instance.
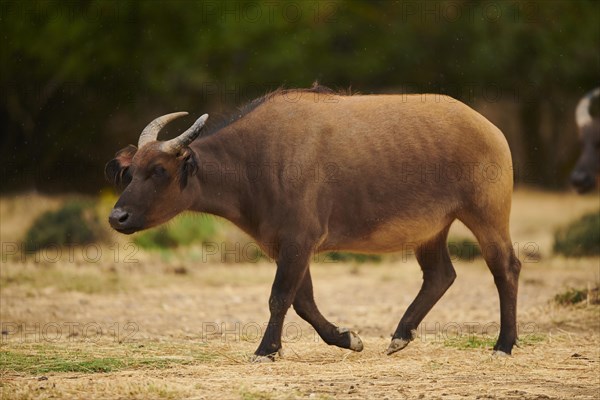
(587, 169)
(153, 177)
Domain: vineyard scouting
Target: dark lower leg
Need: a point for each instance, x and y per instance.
(305, 306)
(494, 240)
(507, 284)
(434, 286)
(291, 268)
(438, 275)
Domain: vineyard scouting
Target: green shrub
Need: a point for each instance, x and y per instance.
(571, 296)
(182, 231)
(580, 238)
(463, 249)
(75, 223)
(157, 238)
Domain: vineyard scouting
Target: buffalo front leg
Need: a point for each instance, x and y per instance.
(306, 308)
(292, 265)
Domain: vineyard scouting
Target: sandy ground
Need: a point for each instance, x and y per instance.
(196, 330)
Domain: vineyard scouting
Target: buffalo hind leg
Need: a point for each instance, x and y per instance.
(491, 231)
(305, 307)
(292, 265)
(438, 275)
(505, 267)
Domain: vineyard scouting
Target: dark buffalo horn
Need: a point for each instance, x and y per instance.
(150, 132)
(173, 146)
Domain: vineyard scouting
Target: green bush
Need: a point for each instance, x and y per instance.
(182, 231)
(580, 238)
(157, 238)
(571, 296)
(75, 223)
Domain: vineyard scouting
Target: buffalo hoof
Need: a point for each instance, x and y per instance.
(356, 343)
(261, 359)
(500, 354)
(255, 358)
(397, 345)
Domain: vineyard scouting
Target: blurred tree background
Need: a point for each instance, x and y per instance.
(80, 79)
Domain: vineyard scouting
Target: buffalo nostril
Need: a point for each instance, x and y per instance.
(582, 181)
(579, 177)
(118, 217)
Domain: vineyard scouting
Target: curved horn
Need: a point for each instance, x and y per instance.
(150, 132)
(173, 146)
(582, 112)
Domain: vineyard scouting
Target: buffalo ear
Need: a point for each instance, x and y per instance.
(112, 170)
(189, 167)
(117, 171)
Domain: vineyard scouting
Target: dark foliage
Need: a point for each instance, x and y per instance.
(580, 238)
(73, 224)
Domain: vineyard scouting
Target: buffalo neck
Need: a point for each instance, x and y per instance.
(222, 188)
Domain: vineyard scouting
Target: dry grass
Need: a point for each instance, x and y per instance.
(168, 328)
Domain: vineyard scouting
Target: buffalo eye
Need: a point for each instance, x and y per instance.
(159, 172)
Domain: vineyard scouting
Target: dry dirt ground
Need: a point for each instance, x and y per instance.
(167, 327)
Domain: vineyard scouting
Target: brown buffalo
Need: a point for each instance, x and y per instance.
(307, 171)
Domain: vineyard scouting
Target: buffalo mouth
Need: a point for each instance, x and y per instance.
(584, 190)
(585, 187)
(127, 230)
